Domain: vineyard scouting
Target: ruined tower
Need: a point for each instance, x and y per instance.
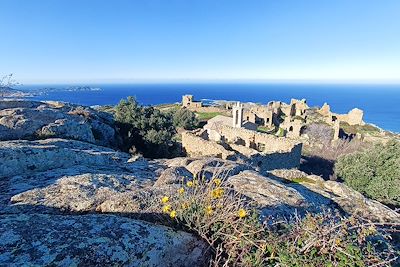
(237, 111)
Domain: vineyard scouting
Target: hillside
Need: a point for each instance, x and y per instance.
(68, 196)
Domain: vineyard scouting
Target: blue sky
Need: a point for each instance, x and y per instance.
(150, 40)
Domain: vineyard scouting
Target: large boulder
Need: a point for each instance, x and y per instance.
(276, 198)
(94, 240)
(174, 175)
(214, 167)
(345, 198)
(23, 157)
(31, 120)
(57, 175)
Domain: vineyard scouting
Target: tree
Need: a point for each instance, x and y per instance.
(147, 129)
(374, 172)
(186, 119)
(7, 81)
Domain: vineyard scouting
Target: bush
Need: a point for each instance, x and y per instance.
(185, 118)
(147, 129)
(232, 228)
(374, 172)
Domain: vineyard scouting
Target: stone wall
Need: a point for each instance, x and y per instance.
(188, 102)
(252, 139)
(262, 151)
(354, 117)
(196, 146)
(264, 162)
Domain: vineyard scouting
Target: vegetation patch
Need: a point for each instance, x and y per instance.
(144, 129)
(230, 224)
(264, 129)
(205, 116)
(302, 180)
(374, 172)
(361, 129)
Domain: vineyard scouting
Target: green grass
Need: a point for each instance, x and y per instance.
(302, 180)
(264, 129)
(205, 116)
(353, 129)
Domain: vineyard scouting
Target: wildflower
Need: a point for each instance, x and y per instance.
(165, 199)
(189, 183)
(338, 241)
(209, 210)
(181, 190)
(217, 193)
(172, 214)
(185, 206)
(242, 213)
(166, 208)
(217, 182)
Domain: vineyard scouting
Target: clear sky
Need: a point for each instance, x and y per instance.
(150, 40)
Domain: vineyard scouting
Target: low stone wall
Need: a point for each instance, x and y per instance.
(252, 139)
(196, 146)
(264, 162)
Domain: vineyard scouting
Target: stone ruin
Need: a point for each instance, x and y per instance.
(236, 139)
(290, 119)
(353, 117)
(188, 102)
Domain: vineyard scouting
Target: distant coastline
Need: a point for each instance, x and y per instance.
(379, 101)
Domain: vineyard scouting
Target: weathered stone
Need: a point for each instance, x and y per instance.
(179, 162)
(85, 192)
(276, 198)
(174, 175)
(30, 119)
(209, 167)
(355, 203)
(23, 157)
(68, 129)
(94, 240)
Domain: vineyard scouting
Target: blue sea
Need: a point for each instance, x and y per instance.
(381, 103)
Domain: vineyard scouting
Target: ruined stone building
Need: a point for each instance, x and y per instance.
(188, 102)
(261, 115)
(236, 139)
(353, 117)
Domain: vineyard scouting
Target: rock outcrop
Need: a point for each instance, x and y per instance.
(94, 240)
(31, 120)
(68, 202)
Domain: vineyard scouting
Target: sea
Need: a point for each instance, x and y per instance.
(380, 102)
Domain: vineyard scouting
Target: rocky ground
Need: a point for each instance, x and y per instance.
(69, 199)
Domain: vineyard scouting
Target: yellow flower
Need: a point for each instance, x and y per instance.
(189, 183)
(165, 199)
(209, 210)
(181, 190)
(185, 206)
(217, 193)
(166, 208)
(217, 181)
(172, 214)
(242, 213)
(338, 241)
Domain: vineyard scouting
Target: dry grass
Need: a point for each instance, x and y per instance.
(230, 224)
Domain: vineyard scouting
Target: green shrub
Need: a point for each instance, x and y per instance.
(147, 129)
(186, 119)
(374, 172)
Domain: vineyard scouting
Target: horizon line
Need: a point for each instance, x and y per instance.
(239, 80)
